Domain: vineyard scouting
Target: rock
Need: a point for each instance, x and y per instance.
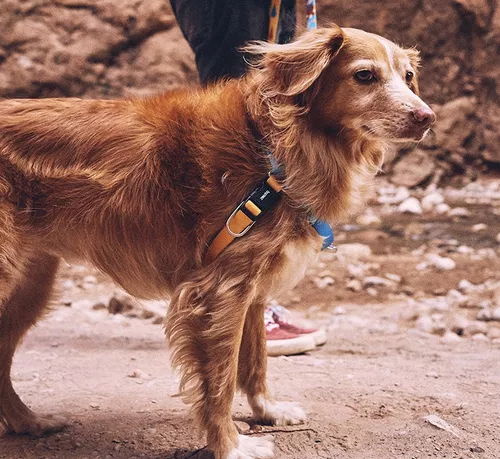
(493, 333)
(368, 218)
(431, 200)
(485, 314)
(459, 324)
(339, 311)
(354, 250)
(479, 337)
(376, 281)
(242, 427)
(431, 324)
(354, 285)
(475, 327)
(498, 238)
(467, 287)
(479, 227)
(323, 282)
(422, 266)
(413, 168)
(393, 196)
(139, 374)
(450, 337)
(442, 208)
(461, 212)
(441, 263)
(410, 206)
(495, 315)
(393, 277)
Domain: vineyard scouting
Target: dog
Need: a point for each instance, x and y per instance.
(140, 187)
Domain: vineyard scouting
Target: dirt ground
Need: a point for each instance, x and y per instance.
(395, 354)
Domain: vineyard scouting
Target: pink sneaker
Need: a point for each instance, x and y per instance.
(283, 342)
(281, 317)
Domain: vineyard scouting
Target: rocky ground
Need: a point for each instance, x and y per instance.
(411, 302)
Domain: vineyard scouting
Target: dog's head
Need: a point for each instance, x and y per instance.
(348, 79)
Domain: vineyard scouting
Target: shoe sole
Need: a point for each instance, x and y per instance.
(292, 346)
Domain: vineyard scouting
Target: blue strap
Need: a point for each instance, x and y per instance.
(321, 226)
(324, 230)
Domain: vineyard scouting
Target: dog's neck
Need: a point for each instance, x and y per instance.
(326, 172)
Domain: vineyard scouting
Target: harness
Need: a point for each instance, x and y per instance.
(267, 193)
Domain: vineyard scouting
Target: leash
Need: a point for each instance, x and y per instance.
(267, 193)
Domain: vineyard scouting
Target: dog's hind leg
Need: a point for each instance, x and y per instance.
(20, 308)
(204, 327)
(252, 369)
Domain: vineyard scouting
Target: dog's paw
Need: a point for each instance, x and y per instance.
(253, 448)
(37, 426)
(278, 413)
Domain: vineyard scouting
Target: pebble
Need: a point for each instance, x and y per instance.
(354, 285)
(432, 200)
(494, 333)
(479, 337)
(410, 206)
(442, 208)
(339, 311)
(354, 250)
(376, 281)
(139, 374)
(368, 218)
(393, 277)
(323, 282)
(475, 327)
(393, 196)
(441, 263)
(461, 212)
(450, 337)
(479, 227)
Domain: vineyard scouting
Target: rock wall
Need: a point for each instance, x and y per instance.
(113, 48)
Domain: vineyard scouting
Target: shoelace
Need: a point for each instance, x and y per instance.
(269, 320)
(279, 313)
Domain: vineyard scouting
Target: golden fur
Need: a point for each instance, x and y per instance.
(139, 188)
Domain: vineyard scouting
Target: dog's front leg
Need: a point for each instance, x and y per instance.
(204, 327)
(252, 369)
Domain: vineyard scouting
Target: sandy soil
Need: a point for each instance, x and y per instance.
(367, 391)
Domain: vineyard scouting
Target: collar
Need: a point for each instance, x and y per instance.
(263, 198)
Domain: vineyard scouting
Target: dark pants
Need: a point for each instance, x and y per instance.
(216, 29)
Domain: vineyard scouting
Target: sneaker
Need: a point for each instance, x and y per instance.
(282, 342)
(281, 317)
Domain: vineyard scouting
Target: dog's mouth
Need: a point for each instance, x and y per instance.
(396, 136)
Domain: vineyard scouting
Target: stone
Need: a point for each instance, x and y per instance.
(354, 285)
(493, 333)
(441, 263)
(461, 212)
(394, 277)
(413, 169)
(410, 206)
(376, 281)
(442, 209)
(498, 238)
(368, 218)
(475, 327)
(431, 200)
(354, 250)
(479, 227)
(479, 337)
(450, 338)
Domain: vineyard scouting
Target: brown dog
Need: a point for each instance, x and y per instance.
(139, 188)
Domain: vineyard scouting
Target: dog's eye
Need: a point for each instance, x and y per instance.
(409, 77)
(365, 76)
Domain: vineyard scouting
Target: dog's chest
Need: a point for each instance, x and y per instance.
(297, 257)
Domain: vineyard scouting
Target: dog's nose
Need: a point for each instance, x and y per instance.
(424, 116)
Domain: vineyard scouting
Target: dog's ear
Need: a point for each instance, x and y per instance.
(294, 67)
(414, 56)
